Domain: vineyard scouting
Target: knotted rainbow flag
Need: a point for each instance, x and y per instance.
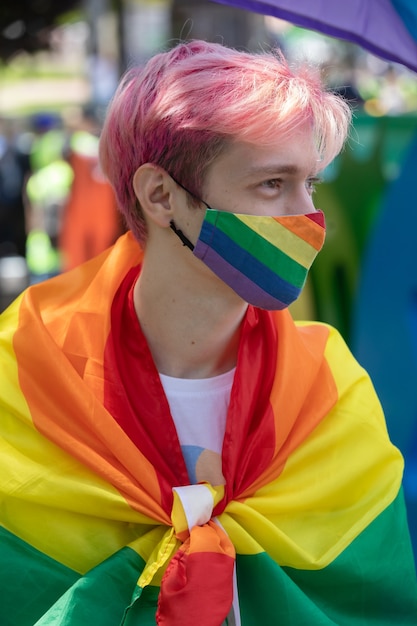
(310, 527)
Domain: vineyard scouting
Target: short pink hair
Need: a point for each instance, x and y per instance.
(186, 104)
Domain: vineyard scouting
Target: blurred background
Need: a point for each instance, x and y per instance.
(59, 65)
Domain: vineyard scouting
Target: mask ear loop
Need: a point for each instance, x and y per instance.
(189, 192)
(177, 231)
(180, 234)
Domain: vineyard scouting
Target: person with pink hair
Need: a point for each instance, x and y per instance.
(177, 450)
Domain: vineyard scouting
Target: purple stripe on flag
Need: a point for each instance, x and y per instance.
(246, 289)
(374, 24)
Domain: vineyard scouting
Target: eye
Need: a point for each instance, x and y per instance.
(272, 183)
(311, 183)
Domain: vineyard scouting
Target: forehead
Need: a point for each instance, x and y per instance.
(293, 154)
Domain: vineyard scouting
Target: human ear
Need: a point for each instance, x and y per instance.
(153, 188)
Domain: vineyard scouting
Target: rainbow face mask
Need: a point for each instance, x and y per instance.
(265, 260)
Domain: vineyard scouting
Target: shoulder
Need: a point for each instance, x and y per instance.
(345, 368)
(353, 383)
(85, 292)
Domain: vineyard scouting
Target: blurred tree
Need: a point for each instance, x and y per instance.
(26, 24)
(203, 19)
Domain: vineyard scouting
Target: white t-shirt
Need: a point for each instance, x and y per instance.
(199, 410)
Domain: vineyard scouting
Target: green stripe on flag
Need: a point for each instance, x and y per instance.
(101, 596)
(30, 581)
(37, 590)
(269, 594)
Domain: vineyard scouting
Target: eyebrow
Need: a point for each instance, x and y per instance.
(274, 170)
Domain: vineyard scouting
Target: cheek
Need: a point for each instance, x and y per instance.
(255, 205)
(221, 197)
(193, 221)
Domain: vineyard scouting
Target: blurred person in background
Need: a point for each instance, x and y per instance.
(90, 220)
(175, 448)
(15, 169)
(48, 188)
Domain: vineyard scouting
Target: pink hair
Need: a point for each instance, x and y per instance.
(181, 109)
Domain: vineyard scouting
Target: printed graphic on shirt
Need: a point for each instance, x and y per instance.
(203, 465)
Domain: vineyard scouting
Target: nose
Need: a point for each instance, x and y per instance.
(309, 206)
(300, 203)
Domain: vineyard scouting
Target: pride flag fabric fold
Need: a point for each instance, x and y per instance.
(95, 526)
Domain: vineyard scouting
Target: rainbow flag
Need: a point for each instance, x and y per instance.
(310, 527)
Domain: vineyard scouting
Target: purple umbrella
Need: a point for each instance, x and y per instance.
(387, 28)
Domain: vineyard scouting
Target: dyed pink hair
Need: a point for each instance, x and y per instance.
(186, 104)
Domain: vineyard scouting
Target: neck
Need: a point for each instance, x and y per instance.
(192, 333)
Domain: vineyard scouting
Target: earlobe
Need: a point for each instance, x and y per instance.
(152, 186)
